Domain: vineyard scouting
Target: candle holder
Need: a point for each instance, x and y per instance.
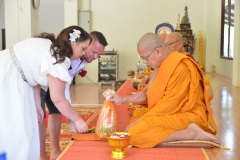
(138, 67)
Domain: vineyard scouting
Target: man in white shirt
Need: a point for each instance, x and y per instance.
(96, 47)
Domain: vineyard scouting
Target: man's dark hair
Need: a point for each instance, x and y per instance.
(99, 37)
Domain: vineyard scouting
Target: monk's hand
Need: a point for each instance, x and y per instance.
(132, 124)
(81, 126)
(116, 98)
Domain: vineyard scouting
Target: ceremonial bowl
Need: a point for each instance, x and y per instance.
(131, 73)
(135, 85)
(118, 141)
(133, 106)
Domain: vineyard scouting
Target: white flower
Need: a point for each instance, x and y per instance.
(73, 36)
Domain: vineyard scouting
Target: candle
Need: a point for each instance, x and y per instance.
(200, 50)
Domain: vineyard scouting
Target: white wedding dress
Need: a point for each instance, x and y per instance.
(19, 135)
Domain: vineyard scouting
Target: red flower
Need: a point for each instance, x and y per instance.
(82, 73)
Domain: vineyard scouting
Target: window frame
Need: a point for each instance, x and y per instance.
(223, 31)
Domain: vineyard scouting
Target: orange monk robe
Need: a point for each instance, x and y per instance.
(176, 98)
(206, 80)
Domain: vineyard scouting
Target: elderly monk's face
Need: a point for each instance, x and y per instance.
(173, 43)
(151, 58)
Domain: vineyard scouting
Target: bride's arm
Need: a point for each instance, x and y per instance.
(57, 94)
(37, 100)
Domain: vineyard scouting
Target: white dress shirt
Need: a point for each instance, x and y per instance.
(76, 66)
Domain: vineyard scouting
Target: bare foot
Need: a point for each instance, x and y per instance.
(192, 132)
(199, 134)
(54, 155)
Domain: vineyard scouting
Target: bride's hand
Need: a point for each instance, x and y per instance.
(40, 114)
(79, 126)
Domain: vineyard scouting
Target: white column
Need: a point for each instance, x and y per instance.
(21, 20)
(236, 58)
(84, 5)
(70, 12)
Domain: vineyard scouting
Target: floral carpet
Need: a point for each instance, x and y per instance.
(87, 113)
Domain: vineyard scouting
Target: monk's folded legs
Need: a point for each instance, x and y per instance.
(148, 135)
(192, 132)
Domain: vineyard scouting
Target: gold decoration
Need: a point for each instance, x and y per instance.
(118, 145)
(187, 33)
(178, 23)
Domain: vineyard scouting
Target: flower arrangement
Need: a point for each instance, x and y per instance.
(74, 35)
(82, 73)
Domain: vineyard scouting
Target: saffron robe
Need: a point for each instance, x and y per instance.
(206, 81)
(176, 98)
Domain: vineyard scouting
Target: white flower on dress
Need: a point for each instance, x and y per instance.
(74, 35)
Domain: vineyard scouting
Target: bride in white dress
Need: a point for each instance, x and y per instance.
(24, 68)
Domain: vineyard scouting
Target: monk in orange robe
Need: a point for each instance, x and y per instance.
(174, 42)
(144, 83)
(178, 107)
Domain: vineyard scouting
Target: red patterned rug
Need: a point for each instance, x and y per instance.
(99, 150)
(87, 113)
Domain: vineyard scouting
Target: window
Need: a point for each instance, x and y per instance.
(227, 29)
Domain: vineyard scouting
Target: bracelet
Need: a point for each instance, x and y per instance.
(68, 120)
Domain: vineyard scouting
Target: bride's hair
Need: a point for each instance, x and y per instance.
(61, 46)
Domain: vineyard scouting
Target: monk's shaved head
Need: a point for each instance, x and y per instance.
(163, 36)
(173, 36)
(149, 41)
(152, 50)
